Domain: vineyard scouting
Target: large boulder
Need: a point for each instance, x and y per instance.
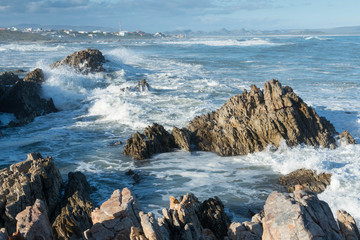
(250, 121)
(33, 222)
(85, 61)
(115, 217)
(75, 215)
(300, 216)
(23, 183)
(22, 97)
(154, 139)
(308, 179)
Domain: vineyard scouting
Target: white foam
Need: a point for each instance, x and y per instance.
(224, 42)
(30, 47)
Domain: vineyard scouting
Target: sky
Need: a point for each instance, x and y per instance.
(167, 15)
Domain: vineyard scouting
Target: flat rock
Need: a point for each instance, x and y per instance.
(23, 183)
(85, 61)
(154, 139)
(299, 216)
(33, 222)
(308, 179)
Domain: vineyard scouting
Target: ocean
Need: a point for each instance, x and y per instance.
(188, 77)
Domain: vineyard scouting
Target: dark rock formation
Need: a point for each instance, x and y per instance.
(346, 136)
(33, 222)
(307, 178)
(23, 183)
(75, 215)
(3, 234)
(85, 61)
(250, 121)
(22, 97)
(247, 123)
(155, 139)
(36, 76)
(347, 225)
(298, 215)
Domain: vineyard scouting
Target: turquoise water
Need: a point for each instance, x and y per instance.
(189, 77)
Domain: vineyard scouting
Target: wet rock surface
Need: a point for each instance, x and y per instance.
(23, 183)
(85, 61)
(22, 97)
(246, 123)
(298, 215)
(308, 179)
(154, 139)
(347, 138)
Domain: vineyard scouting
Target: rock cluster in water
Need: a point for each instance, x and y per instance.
(246, 123)
(35, 204)
(22, 96)
(85, 61)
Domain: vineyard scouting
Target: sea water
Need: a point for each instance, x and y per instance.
(189, 77)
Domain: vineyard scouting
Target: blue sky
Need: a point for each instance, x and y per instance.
(162, 15)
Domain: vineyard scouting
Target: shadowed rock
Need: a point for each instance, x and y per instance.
(308, 179)
(347, 225)
(85, 61)
(299, 215)
(155, 139)
(23, 183)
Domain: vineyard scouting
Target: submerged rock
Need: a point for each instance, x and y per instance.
(155, 139)
(85, 61)
(299, 215)
(21, 97)
(346, 136)
(308, 179)
(23, 183)
(33, 222)
(347, 225)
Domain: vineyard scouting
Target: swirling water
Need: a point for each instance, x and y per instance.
(189, 77)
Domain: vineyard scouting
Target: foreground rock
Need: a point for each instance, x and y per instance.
(154, 139)
(347, 225)
(33, 222)
(85, 61)
(308, 179)
(246, 123)
(252, 230)
(298, 215)
(23, 183)
(22, 97)
(75, 215)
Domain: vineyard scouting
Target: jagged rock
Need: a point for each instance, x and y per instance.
(346, 136)
(142, 85)
(308, 179)
(155, 139)
(247, 230)
(33, 222)
(3, 234)
(85, 61)
(299, 215)
(347, 225)
(214, 217)
(36, 76)
(250, 121)
(23, 183)
(75, 215)
(137, 234)
(115, 217)
(22, 97)
(182, 138)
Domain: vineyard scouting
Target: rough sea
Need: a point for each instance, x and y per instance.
(189, 77)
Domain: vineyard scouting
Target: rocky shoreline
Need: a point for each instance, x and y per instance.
(35, 203)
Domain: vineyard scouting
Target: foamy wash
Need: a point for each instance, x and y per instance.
(188, 78)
